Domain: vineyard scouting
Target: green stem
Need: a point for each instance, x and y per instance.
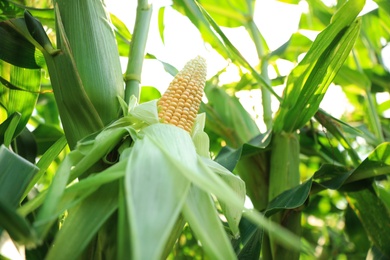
(137, 49)
(284, 175)
(262, 48)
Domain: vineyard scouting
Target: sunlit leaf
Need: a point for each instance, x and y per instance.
(122, 35)
(23, 99)
(17, 50)
(308, 82)
(161, 26)
(229, 13)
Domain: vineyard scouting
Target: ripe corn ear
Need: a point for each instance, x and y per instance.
(179, 105)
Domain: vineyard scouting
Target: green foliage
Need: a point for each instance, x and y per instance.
(87, 170)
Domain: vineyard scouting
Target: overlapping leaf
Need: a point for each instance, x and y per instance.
(308, 82)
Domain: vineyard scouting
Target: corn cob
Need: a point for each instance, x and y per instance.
(180, 103)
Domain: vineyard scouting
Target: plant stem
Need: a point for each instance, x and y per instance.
(262, 48)
(284, 175)
(137, 50)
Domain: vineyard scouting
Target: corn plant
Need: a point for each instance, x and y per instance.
(109, 172)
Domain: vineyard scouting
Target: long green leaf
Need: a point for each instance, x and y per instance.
(45, 161)
(23, 98)
(17, 226)
(83, 222)
(8, 128)
(73, 103)
(232, 213)
(203, 219)
(308, 82)
(374, 216)
(15, 174)
(17, 50)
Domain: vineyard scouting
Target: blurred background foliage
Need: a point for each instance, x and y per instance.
(329, 220)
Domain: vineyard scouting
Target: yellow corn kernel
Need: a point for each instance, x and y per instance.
(180, 103)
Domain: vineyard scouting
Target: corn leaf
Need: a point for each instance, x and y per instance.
(232, 213)
(229, 13)
(23, 97)
(75, 164)
(46, 135)
(122, 35)
(167, 67)
(191, 10)
(46, 215)
(204, 177)
(251, 163)
(308, 82)
(235, 55)
(17, 226)
(290, 199)
(17, 50)
(161, 25)
(15, 175)
(332, 126)
(203, 219)
(229, 157)
(280, 234)
(290, 50)
(248, 245)
(377, 163)
(8, 128)
(155, 192)
(83, 222)
(228, 109)
(368, 207)
(74, 106)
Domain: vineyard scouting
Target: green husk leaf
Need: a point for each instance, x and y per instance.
(203, 219)
(204, 178)
(231, 212)
(155, 191)
(98, 64)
